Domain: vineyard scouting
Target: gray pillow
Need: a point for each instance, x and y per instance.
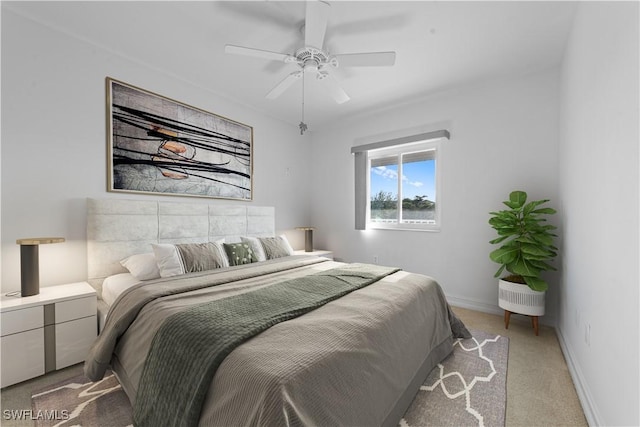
(276, 247)
(174, 260)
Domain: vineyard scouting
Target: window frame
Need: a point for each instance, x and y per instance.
(399, 151)
(361, 172)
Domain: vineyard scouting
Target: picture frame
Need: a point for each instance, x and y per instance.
(157, 145)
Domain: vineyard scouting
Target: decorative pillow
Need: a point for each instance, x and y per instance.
(276, 247)
(256, 246)
(142, 266)
(174, 260)
(240, 253)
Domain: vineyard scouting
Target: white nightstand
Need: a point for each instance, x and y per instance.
(45, 332)
(316, 252)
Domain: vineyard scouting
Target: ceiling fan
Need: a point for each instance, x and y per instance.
(313, 59)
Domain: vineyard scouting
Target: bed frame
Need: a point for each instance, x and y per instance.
(118, 228)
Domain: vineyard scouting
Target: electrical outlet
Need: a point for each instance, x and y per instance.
(587, 334)
(375, 259)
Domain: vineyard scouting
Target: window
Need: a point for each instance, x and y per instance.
(402, 187)
(397, 183)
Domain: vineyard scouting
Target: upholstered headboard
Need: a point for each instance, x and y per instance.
(117, 228)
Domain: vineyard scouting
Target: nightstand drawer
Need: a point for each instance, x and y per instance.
(73, 340)
(22, 320)
(75, 309)
(22, 356)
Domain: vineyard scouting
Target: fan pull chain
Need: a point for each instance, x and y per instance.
(302, 125)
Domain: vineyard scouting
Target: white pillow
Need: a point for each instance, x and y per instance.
(255, 246)
(142, 266)
(174, 260)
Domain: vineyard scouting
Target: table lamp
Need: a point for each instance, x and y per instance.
(29, 263)
(308, 238)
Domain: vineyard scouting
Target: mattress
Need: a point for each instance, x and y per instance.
(349, 362)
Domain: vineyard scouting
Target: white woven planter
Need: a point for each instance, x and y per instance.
(518, 298)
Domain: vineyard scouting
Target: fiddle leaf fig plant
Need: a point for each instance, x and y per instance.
(525, 239)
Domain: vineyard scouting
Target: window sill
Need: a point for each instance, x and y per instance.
(404, 227)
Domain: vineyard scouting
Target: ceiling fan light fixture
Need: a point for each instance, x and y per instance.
(312, 58)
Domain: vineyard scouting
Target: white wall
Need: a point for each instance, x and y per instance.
(54, 145)
(504, 136)
(599, 192)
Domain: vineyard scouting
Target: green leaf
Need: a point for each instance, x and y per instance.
(525, 239)
(500, 270)
(500, 222)
(534, 250)
(542, 266)
(548, 211)
(536, 283)
(504, 255)
(532, 205)
(513, 205)
(542, 257)
(507, 231)
(522, 267)
(545, 239)
(518, 197)
(498, 240)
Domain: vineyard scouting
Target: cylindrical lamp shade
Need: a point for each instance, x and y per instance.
(308, 238)
(30, 265)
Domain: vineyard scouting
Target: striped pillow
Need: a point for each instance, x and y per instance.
(174, 260)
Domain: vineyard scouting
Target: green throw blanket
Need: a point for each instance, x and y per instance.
(190, 345)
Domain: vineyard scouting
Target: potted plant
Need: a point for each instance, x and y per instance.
(526, 247)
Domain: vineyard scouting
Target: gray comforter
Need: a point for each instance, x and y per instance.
(348, 362)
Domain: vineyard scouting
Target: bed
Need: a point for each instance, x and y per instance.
(354, 354)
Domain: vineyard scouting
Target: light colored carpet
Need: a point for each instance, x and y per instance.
(540, 391)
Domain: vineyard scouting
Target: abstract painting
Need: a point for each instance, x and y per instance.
(161, 146)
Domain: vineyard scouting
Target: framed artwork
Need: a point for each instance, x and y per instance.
(160, 146)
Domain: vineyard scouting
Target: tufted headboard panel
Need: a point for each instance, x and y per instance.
(117, 228)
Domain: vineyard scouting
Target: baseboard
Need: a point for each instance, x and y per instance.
(474, 305)
(586, 400)
(483, 307)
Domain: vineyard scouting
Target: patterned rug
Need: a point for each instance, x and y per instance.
(467, 389)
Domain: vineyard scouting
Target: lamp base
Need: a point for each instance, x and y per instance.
(308, 240)
(29, 270)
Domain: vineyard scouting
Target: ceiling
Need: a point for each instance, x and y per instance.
(438, 45)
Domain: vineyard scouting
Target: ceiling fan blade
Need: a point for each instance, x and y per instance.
(315, 24)
(257, 53)
(335, 90)
(370, 59)
(284, 85)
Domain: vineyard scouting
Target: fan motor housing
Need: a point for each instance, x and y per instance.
(312, 57)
